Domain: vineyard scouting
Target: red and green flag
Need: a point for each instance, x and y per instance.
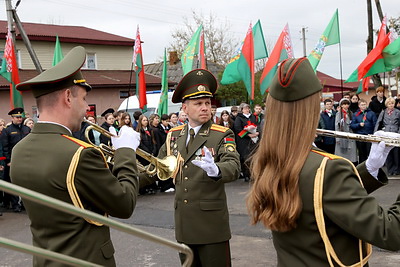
(364, 85)
(58, 54)
(202, 52)
(139, 70)
(9, 70)
(282, 50)
(231, 73)
(163, 104)
(190, 51)
(246, 63)
(374, 62)
(330, 36)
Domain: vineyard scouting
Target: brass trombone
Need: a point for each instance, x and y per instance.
(165, 168)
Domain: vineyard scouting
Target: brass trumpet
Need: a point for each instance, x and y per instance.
(360, 137)
(165, 168)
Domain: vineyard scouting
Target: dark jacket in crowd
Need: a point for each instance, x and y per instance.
(10, 136)
(353, 107)
(160, 135)
(104, 139)
(369, 119)
(329, 123)
(244, 143)
(377, 106)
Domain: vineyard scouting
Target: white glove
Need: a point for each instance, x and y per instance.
(127, 137)
(379, 152)
(207, 163)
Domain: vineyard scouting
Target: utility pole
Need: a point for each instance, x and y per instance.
(12, 16)
(303, 37)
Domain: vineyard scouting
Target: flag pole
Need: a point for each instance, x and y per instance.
(341, 68)
(129, 87)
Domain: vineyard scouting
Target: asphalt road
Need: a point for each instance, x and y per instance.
(250, 245)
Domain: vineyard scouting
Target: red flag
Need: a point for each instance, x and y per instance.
(246, 63)
(372, 57)
(282, 50)
(202, 52)
(140, 76)
(12, 68)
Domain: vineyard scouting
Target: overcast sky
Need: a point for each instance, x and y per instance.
(157, 19)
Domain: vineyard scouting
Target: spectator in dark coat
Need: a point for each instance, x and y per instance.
(363, 122)
(245, 140)
(354, 103)
(377, 103)
(160, 136)
(328, 116)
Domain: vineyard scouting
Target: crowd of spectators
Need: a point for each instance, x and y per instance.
(355, 115)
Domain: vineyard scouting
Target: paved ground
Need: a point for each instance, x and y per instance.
(250, 245)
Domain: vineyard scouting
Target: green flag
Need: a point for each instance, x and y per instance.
(190, 51)
(330, 36)
(231, 73)
(391, 55)
(163, 105)
(58, 54)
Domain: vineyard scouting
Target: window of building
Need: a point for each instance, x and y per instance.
(91, 62)
(124, 94)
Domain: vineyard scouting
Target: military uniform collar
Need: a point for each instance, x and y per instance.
(203, 131)
(51, 127)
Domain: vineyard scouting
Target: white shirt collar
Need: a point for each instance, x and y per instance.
(52, 122)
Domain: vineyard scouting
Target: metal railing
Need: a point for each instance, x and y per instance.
(68, 208)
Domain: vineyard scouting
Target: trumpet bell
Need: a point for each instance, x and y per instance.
(167, 167)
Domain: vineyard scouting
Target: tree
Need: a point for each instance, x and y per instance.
(220, 45)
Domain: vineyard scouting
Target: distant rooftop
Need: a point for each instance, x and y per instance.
(67, 34)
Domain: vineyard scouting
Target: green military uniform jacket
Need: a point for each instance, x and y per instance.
(41, 162)
(201, 212)
(350, 214)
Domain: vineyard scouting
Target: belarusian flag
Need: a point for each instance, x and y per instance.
(190, 51)
(58, 54)
(374, 62)
(163, 104)
(9, 70)
(279, 53)
(246, 63)
(140, 76)
(231, 73)
(330, 36)
(391, 55)
(202, 52)
(364, 85)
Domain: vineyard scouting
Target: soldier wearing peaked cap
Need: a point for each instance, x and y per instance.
(207, 159)
(9, 137)
(54, 163)
(316, 204)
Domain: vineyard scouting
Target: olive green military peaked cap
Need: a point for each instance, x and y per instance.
(294, 80)
(195, 84)
(63, 75)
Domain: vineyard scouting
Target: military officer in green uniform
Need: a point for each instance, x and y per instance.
(50, 161)
(316, 204)
(207, 159)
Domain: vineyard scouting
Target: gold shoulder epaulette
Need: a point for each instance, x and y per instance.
(177, 128)
(219, 128)
(326, 154)
(77, 141)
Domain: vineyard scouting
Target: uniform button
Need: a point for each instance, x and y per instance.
(186, 190)
(185, 201)
(186, 178)
(185, 167)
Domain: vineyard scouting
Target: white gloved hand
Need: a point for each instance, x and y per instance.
(127, 137)
(207, 163)
(379, 152)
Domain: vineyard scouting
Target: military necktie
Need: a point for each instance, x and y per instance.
(191, 132)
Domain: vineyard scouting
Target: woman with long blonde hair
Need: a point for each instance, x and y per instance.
(314, 202)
